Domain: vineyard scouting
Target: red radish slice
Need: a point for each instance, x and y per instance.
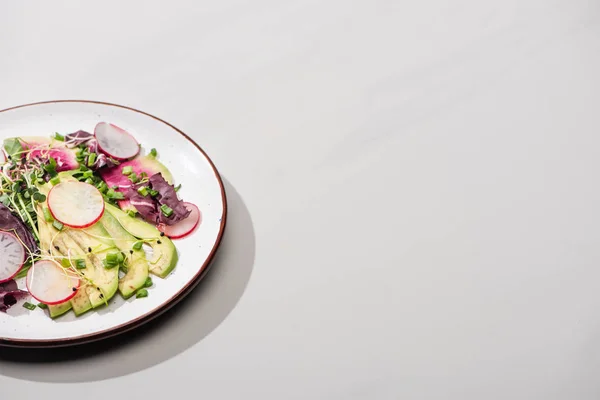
(12, 256)
(76, 204)
(116, 142)
(183, 227)
(49, 283)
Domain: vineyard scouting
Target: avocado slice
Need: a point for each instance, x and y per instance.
(164, 254)
(106, 280)
(59, 309)
(50, 237)
(45, 239)
(137, 265)
(81, 302)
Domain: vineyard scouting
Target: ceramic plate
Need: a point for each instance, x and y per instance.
(201, 184)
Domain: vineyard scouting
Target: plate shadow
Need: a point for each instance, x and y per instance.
(168, 335)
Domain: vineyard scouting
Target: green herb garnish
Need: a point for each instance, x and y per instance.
(143, 191)
(91, 159)
(48, 215)
(166, 210)
(80, 263)
(111, 194)
(58, 225)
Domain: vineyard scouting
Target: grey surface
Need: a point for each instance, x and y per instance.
(416, 203)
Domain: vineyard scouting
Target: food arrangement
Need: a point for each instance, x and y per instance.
(84, 217)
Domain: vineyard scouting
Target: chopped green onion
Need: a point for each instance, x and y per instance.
(42, 306)
(166, 210)
(58, 225)
(141, 293)
(65, 263)
(80, 263)
(138, 245)
(102, 187)
(55, 180)
(91, 159)
(133, 177)
(48, 215)
(131, 213)
(111, 194)
(153, 192)
(177, 187)
(127, 170)
(120, 257)
(153, 152)
(59, 137)
(143, 191)
(148, 282)
(108, 264)
(112, 257)
(29, 306)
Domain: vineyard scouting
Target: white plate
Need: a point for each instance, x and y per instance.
(201, 184)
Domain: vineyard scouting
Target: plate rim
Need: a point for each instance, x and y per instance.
(168, 304)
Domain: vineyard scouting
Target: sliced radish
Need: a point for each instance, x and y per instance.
(12, 256)
(49, 283)
(116, 142)
(185, 226)
(76, 204)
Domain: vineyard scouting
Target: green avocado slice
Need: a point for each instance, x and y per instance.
(164, 254)
(137, 265)
(96, 238)
(49, 238)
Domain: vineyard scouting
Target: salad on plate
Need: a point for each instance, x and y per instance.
(85, 217)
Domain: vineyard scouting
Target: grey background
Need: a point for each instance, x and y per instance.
(413, 186)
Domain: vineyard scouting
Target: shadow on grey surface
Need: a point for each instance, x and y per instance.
(187, 323)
